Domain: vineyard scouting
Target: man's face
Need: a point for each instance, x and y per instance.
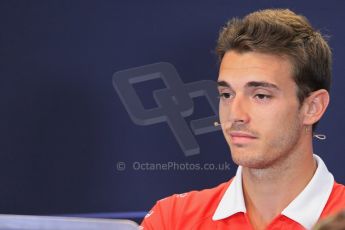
(259, 109)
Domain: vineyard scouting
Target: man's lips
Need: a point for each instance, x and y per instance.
(241, 137)
(241, 134)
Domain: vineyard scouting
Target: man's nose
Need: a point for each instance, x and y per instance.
(238, 110)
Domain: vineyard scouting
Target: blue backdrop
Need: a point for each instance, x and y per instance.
(68, 144)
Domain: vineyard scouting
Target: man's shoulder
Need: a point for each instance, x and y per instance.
(187, 209)
(197, 198)
(336, 200)
(339, 187)
(338, 194)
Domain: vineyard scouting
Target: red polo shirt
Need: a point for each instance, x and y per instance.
(223, 207)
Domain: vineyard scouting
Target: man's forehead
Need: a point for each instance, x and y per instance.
(236, 70)
(254, 72)
(248, 68)
(254, 61)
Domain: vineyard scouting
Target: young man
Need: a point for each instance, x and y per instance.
(274, 79)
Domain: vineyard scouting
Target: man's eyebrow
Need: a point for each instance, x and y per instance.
(263, 84)
(250, 84)
(223, 84)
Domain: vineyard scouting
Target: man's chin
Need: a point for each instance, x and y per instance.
(251, 161)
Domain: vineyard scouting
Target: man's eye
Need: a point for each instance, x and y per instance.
(263, 96)
(225, 95)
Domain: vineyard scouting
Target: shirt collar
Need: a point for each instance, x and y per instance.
(305, 209)
(232, 201)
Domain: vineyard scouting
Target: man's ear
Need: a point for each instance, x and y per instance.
(315, 106)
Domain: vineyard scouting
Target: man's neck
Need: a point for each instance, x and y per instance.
(267, 192)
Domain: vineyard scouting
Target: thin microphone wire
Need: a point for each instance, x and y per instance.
(320, 136)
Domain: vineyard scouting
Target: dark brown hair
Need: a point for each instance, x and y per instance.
(284, 33)
(336, 222)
